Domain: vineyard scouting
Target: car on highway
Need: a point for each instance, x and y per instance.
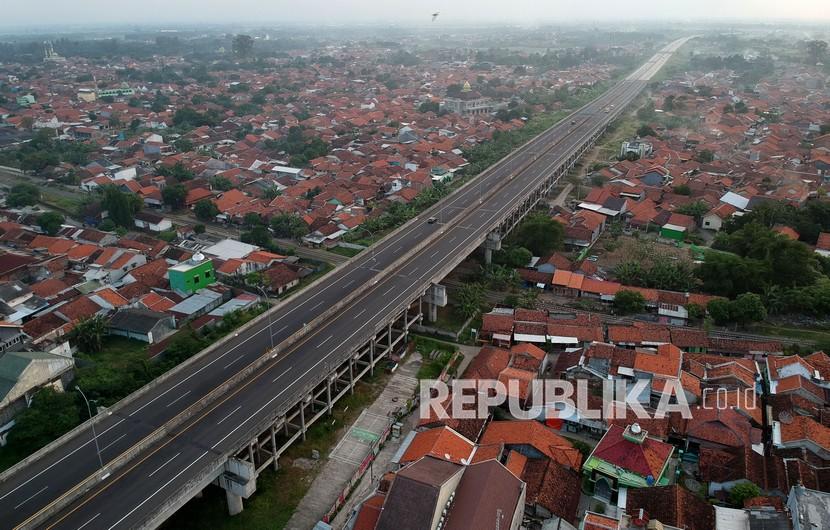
(432, 220)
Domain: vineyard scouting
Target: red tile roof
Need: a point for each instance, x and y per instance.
(535, 434)
(647, 458)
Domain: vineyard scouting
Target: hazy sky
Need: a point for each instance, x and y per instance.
(416, 12)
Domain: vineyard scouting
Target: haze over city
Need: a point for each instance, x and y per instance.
(367, 12)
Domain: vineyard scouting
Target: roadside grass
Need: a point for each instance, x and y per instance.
(345, 251)
(59, 202)
(279, 493)
(813, 335)
(448, 319)
(431, 368)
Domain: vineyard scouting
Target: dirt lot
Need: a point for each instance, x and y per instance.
(644, 249)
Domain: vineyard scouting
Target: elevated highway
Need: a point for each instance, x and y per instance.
(228, 413)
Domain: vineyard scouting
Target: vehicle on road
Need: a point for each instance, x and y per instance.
(432, 220)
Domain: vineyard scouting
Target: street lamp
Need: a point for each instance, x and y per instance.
(94, 435)
(267, 312)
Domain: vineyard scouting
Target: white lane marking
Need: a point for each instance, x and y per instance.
(325, 341)
(282, 328)
(282, 374)
(453, 239)
(142, 503)
(61, 460)
(93, 518)
(178, 398)
(231, 413)
(358, 315)
(348, 283)
(230, 364)
(164, 464)
(321, 302)
(414, 270)
(434, 254)
(44, 488)
(389, 290)
(113, 442)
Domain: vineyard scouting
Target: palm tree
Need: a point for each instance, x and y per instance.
(89, 333)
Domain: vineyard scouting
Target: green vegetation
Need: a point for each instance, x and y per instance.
(288, 226)
(23, 194)
(345, 251)
(50, 222)
(174, 195)
(539, 234)
(205, 210)
(45, 151)
(298, 147)
(470, 298)
(627, 302)
(742, 492)
(121, 206)
(746, 308)
(432, 368)
(661, 273)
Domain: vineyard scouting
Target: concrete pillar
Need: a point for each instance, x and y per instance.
(433, 312)
(488, 255)
(389, 337)
(351, 375)
(251, 453)
(274, 447)
(372, 357)
(234, 503)
(302, 417)
(328, 395)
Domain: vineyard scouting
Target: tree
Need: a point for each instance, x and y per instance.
(183, 145)
(646, 130)
(252, 219)
(747, 308)
(121, 206)
(288, 226)
(429, 106)
(695, 209)
(50, 222)
(720, 310)
(627, 302)
(742, 492)
(221, 183)
(704, 157)
(205, 210)
(199, 229)
(89, 333)
(50, 415)
(23, 194)
(514, 257)
(106, 225)
(174, 195)
(243, 46)
(682, 189)
(470, 298)
(816, 50)
(539, 234)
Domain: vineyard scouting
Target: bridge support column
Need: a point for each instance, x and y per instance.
(351, 375)
(435, 297)
(234, 503)
(302, 418)
(328, 395)
(372, 357)
(239, 482)
(274, 447)
(493, 242)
